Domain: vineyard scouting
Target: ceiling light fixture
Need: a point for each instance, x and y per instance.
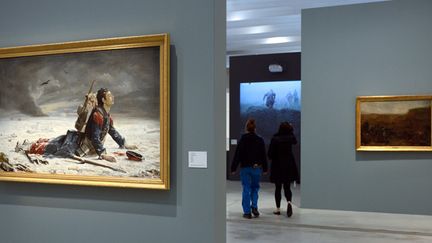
(278, 40)
(236, 16)
(259, 29)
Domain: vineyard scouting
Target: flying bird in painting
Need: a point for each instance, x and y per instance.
(45, 83)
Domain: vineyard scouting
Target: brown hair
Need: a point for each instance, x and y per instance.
(250, 125)
(285, 128)
(100, 95)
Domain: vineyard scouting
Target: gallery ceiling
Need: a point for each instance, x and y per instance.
(270, 26)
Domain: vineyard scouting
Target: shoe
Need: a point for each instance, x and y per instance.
(255, 212)
(277, 211)
(289, 210)
(247, 216)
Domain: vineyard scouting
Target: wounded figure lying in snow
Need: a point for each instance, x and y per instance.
(61, 146)
(91, 142)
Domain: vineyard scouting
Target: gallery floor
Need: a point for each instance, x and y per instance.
(313, 226)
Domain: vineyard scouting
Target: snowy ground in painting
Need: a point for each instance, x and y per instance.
(138, 131)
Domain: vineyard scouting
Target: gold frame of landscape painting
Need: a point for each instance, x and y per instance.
(394, 123)
(45, 86)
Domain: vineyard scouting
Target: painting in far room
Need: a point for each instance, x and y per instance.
(271, 103)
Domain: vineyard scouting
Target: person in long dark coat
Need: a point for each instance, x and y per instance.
(283, 168)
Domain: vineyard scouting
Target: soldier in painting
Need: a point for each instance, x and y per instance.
(100, 124)
(269, 98)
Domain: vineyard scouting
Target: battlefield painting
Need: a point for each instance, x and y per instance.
(271, 103)
(395, 123)
(92, 114)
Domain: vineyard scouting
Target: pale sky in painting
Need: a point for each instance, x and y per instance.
(56, 84)
(392, 107)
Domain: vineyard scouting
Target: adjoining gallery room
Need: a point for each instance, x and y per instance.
(214, 121)
(352, 78)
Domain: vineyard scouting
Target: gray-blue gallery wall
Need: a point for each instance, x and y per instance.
(194, 209)
(367, 49)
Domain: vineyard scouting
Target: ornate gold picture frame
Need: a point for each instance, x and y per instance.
(394, 123)
(118, 87)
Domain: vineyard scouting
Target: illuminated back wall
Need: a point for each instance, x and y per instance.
(270, 98)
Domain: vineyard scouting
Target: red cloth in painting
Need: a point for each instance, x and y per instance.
(39, 146)
(98, 119)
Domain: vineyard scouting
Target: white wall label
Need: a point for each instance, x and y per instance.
(197, 159)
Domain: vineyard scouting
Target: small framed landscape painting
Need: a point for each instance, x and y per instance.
(393, 123)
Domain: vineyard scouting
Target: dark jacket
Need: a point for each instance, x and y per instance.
(250, 150)
(283, 167)
(99, 125)
(64, 145)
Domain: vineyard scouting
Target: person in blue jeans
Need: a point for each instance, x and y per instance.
(251, 155)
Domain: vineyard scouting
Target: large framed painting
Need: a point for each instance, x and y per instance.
(93, 113)
(393, 123)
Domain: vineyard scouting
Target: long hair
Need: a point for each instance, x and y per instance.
(250, 125)
(285, 128)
